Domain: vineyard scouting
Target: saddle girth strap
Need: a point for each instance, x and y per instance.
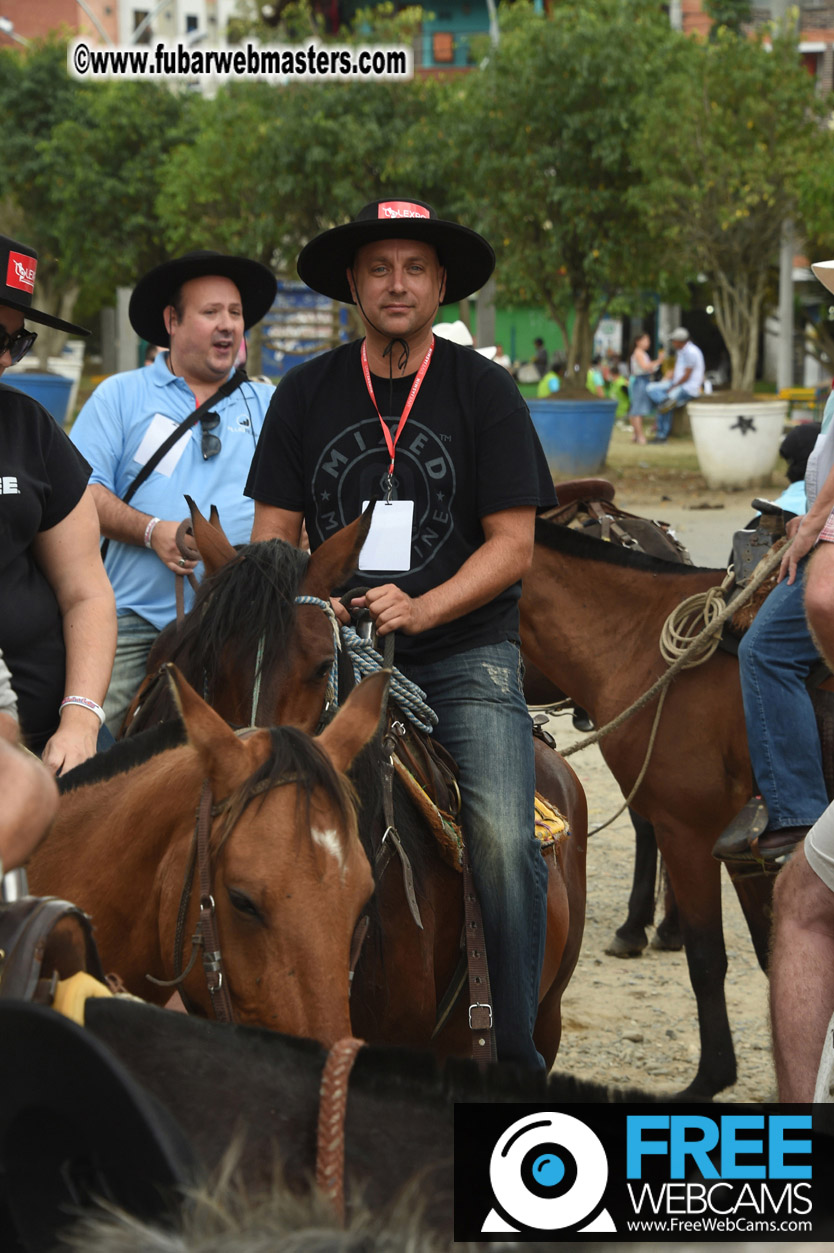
(484, 1048)
(330, 1132)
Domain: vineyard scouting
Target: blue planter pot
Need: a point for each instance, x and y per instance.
(51, 390)
(575, 434)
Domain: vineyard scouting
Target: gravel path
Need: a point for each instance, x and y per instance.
(633, 1021)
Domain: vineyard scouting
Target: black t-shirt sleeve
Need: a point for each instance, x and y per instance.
(280, 445)
(66, 476)
(512, 468)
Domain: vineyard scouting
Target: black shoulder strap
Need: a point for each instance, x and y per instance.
(231, 385)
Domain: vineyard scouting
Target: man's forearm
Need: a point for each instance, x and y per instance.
(117, 520)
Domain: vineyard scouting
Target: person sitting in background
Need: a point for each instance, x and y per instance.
(594, 380)
(502, 358)
(686, 381)
(549, 383)
(58, 631)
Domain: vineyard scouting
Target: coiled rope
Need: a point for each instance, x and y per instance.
(683, 651)
(410, 698)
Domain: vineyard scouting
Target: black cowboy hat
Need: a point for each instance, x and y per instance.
(153, 293)
(75, 1126)
(18, 266)
(466, 256)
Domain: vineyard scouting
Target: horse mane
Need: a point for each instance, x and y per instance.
(573, 543)
(294, 756)
(125, 755)
(252, 604)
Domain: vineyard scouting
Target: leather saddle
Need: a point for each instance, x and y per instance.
(44, 940)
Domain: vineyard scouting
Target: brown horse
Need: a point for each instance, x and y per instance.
(256, 635)
(284, 855)
(591, 617)
(404, 972)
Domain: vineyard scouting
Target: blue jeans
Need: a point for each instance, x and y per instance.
(659, 394)
(485, 725)
(775, 658)
(136, 637)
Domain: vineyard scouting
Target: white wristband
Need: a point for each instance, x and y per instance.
(86, 703)
(149, 531)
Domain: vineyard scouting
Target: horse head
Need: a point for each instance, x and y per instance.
(289, 877)
(260, 651)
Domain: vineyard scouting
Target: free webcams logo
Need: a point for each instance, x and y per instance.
(548, 1171)
(640, 1171)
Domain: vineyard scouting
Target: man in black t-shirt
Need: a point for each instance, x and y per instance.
(443, 440)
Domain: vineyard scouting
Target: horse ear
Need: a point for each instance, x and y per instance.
(357, 720)
(222, 753)
(210, 538)
(336, 559)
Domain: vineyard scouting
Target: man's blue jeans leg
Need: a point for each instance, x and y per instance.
(135, 640)
(660, 394)
(775, 658)
(485, 725)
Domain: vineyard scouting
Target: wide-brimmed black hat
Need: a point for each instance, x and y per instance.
(153, 293)
(18, 266)
(465, 255)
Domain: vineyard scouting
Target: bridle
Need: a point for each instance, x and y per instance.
(331, 690)
(205, 935)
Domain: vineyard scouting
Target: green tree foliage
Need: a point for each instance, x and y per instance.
(733, 15)
(536, 149)
(81, 166)
(733, 138)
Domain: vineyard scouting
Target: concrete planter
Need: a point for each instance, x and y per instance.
(737, 443)
(575, 434)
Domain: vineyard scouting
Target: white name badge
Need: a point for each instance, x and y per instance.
(156, 435)
(388, 546)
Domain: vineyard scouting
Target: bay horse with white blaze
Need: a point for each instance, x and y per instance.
(591, 618)
(282, 854)
(405, 971)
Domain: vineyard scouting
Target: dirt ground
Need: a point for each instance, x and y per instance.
(633, 1021)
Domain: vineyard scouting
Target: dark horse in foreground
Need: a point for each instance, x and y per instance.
(261, 651)
(591, 618)
(144, 1102)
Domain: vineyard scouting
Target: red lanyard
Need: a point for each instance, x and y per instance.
(409, 404)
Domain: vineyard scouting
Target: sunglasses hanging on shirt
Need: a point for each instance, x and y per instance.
(211, 444)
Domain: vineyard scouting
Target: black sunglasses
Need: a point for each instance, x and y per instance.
(211, 443)
(16, 345)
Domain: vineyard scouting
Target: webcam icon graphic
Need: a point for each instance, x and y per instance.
(548, 1171)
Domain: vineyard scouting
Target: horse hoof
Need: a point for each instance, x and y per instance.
(667, 942)
(620, 947)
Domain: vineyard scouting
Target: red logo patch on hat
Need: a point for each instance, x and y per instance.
(21, 272)
(402, 209)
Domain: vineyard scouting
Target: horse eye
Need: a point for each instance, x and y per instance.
(324, 669)
(244, 904)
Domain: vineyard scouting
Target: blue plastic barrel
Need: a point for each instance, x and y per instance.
(51, 390)
(575, 434)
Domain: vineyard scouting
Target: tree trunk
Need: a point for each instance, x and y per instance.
(581, 343)
(738, 312)
(254, 351)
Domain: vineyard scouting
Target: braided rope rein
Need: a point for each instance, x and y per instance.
(684, 652)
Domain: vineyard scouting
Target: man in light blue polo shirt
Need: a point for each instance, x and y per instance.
(198, 307)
